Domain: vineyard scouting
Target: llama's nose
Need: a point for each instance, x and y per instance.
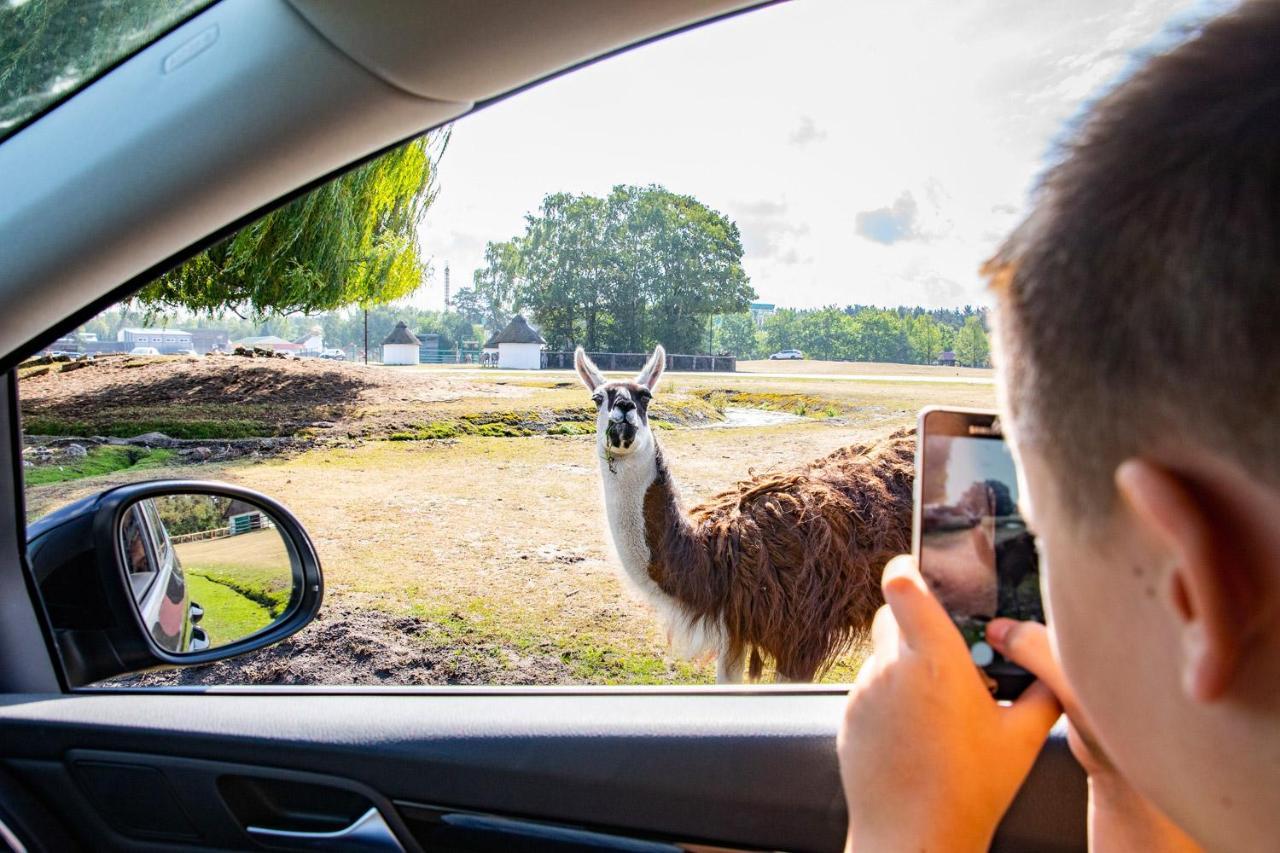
(624, 405)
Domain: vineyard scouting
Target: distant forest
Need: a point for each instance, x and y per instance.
(906, 335)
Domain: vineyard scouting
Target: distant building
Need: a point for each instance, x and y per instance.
(312, 342)
(428, 347)
(164, 340)
(401, 346)
(208, 340)
(761, 310)
(519, 346)
(271, 342)
(947, 358)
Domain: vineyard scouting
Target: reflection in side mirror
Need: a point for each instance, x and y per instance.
(170, 573)
(206, 570)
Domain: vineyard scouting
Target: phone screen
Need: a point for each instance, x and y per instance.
(974, 549)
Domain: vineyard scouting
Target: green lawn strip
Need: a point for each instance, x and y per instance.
(104, 459)
(127, 428)
(266, 587)
(228, 615)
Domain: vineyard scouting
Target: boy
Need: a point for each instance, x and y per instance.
(1136, 325)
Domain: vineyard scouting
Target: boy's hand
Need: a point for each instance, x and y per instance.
(1119, 817)
(1027, 645)
(928, 759)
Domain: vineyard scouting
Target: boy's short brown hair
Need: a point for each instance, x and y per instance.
(1139, 302)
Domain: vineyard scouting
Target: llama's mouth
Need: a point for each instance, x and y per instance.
(620, 435)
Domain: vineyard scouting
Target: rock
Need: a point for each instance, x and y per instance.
(244, 352)
(73, 365)
(199, 454)
(76, 451)
(152, 439)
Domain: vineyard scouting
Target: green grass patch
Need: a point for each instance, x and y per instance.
(101, 460)
(572, 428)
(228, 614)
(197, 429)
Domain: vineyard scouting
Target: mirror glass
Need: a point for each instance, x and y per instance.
(205, 570)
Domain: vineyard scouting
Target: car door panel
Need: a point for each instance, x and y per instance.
(746, 770)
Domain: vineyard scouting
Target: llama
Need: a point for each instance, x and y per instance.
(784, 565)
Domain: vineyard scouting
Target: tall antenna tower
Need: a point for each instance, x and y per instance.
(446, 285)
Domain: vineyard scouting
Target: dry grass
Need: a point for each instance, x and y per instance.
(504, 541)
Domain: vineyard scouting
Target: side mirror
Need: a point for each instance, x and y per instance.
(170, 573)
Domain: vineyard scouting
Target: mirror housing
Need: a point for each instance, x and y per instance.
(76, 558)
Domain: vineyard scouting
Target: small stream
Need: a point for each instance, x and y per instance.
(741, 417)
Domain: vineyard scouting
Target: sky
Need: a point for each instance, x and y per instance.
(871, 153)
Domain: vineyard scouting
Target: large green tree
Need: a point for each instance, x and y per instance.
(737, 334)
(353, 241)
(493, 291)
(48, 48)
(621, 273)
(972, 347)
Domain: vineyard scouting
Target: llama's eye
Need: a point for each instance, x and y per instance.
(598, 398)
(644, 395)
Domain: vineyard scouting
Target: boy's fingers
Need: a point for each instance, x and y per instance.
(1034, 712)
(1027, 645)
(921, 621)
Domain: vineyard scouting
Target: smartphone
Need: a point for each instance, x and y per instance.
(970, 542)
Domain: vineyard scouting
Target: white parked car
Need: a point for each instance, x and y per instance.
(787, 355)
(144, 351)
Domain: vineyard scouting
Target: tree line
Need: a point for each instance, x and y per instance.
(641, 266)
(904, 335)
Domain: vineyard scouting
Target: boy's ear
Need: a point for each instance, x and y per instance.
(1211, 582)
(587, 370)
(653, 368)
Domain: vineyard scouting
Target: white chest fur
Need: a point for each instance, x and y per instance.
(626, 480)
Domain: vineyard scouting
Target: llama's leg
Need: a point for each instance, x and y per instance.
(728, 666)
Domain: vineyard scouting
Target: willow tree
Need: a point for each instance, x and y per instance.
(353, 241)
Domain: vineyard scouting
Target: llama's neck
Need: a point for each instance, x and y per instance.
(657, 548)
(640, 500)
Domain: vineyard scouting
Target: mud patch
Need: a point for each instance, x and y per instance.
(349, 645)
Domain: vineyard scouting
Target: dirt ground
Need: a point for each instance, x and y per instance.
(480, 560)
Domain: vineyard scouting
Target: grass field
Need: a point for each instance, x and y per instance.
(228, 615)
(478, 559)
(255, 565)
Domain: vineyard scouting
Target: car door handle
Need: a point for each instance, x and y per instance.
(369, 832)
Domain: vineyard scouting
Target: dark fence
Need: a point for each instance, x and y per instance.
(636, 360)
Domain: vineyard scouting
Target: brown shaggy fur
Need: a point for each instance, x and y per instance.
(791, 562)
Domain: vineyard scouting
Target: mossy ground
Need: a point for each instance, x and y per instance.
(105, 459)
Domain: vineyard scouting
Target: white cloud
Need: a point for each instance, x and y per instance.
(819, 115)
(807, 132)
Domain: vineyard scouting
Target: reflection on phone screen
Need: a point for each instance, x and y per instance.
(975, 550)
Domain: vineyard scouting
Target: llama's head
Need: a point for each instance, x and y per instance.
(622, 408)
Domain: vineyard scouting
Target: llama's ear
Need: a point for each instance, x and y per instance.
(587, 370)
(653, 369)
